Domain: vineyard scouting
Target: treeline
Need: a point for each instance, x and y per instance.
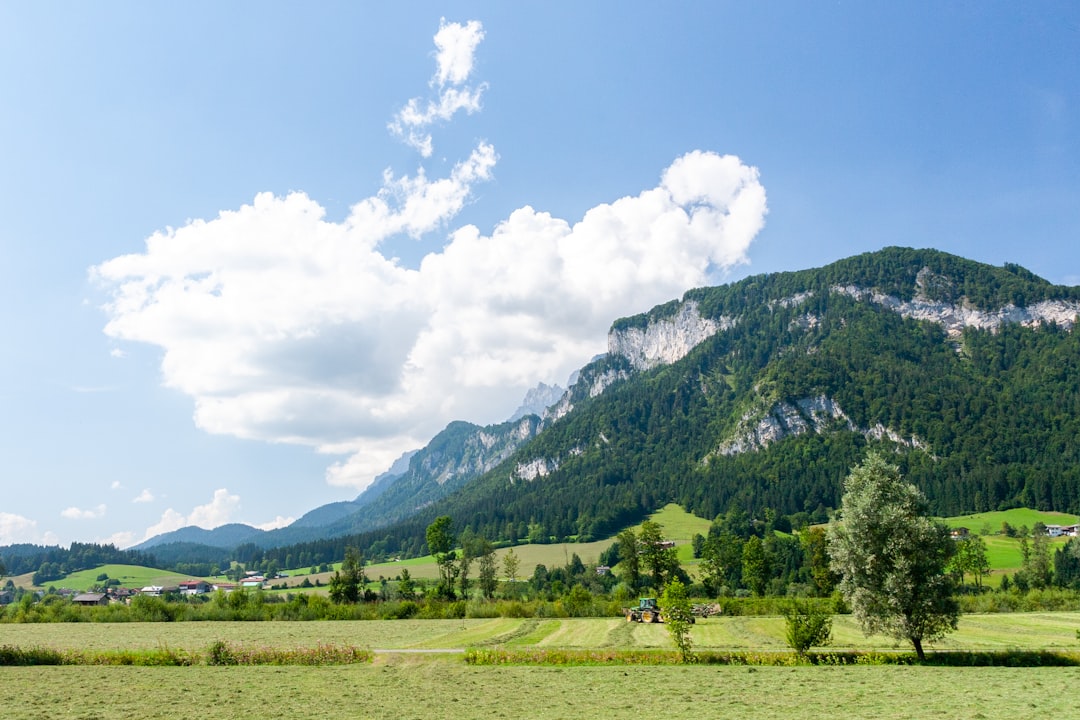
(50, 563)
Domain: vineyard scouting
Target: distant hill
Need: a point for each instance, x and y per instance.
(225, 536)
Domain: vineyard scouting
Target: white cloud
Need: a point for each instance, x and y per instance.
(74, 513)
(215, 513)
(144, 497)
(457, 47)
(278, 522)
(17, 529)
(285, 327)
(122, 539)
(116, 485)
(454, 61)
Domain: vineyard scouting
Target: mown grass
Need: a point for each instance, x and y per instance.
(540, 656)
(423, 687)
(993, 631)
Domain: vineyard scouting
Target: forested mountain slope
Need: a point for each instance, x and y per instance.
(766, 391)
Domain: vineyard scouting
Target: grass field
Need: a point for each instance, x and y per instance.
(130, 576)
(1017, 517)
(417, 685)
(997, 631)
(425, 687)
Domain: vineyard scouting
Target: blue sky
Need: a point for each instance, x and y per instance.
(251, 252)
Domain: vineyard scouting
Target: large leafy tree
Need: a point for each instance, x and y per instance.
(657, 555)
(892, 557)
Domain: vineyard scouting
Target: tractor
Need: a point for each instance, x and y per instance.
(646, 611)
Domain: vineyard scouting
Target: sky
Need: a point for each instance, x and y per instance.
(250, 253)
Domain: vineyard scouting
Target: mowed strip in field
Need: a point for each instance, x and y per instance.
(1028, 631)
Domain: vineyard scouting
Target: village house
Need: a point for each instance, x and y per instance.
(195, 587)
(90, 599)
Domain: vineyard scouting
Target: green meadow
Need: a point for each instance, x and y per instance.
(977, 632)
(412, 676)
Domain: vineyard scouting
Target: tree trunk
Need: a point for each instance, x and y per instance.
(917, 642)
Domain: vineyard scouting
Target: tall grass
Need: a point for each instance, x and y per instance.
(218, 653)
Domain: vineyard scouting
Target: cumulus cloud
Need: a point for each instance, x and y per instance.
(116, 485)
(456, 48)
(144, 497)
(17, 529)
(213, 514)
(286, 327)
(74, 513)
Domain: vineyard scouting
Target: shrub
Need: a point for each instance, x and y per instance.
(807, 626)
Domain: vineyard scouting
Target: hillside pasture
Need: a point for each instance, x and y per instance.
(991, 522)
(130, 576)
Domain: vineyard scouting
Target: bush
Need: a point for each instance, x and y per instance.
(807, 626)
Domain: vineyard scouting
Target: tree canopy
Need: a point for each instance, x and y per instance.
(892, 557)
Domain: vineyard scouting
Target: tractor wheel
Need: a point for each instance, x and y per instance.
(647, 616)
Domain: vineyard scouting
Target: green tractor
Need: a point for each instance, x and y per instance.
(647, 611)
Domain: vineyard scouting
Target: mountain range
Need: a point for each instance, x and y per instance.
(760, 393)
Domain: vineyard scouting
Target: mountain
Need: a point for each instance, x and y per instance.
(333, 512)
(458, 454)
(224, 536)
(764, 392)
(538, 400)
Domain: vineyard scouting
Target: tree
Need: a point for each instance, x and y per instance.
(721, 562)
(511, 563)
(1038, 568)
(891, 557)
(970, 557)
(657, 555)
(347, 584)
(464, 565)
(440, 542)
(678, 617)
(815, 546)
(630, 559)
(489, 582)
(406, 587)
(755, 566)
